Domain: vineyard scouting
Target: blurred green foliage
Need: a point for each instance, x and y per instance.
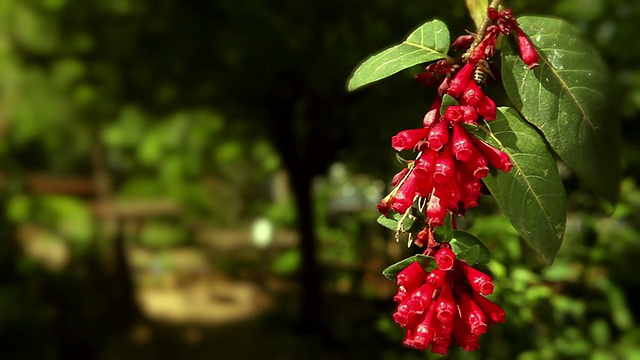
(184, 100)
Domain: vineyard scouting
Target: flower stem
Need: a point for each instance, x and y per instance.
(482, 29)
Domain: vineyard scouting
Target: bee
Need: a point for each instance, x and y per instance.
(481, 72)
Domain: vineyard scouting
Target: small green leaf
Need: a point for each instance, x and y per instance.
(427, 263)
(477, 11)
(427, 43)
(447, 101)
(464, 243)
(567, 98)
(531, 195)
(444, 233)
(390, 221)
(470, 255)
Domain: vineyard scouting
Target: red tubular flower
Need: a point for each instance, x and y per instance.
(495, 314)
(480, 282)
(463, 335)
(461, 143)
(487, 108)
(438, 136)
(528, 52)
(435, 211)
(436, 277)
(423, 333)
(444, 168)
(411, 277)
(454, 114)
(445, 305)
(477, 164)
(498, 159)
(470, 114)
(407, 139)
(471, 314)
(399, 176)
(449, 194)
(445, 258)
(405, 194)
(472, 94)
(461, 80)
(470, 188)
(486, 47)
(408, 313)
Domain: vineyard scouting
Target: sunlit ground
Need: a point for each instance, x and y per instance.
(216, 299)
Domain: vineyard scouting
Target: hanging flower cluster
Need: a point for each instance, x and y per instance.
(444, 304)
(449, 302)
(451, 161)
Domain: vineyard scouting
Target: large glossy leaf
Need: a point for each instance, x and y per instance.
(531, 195)
(427, 43)
(567, 98)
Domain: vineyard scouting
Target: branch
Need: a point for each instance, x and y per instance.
(482, 29)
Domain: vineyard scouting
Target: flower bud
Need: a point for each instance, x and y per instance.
(462, 42)
(407, 139)
(528, 52)
(444, 86)
(435, 211)
(430, 118)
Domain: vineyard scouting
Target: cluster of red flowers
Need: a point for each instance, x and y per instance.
(445, 303)
(448, 302)
(450, 161)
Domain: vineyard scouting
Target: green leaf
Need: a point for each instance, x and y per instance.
(470, 255)
(531, 195)
(477, 11)
(468, 247)
(444, 233)
(390, 221)
(428, 264)
(447, 100)
(427, 43)
(567, 98)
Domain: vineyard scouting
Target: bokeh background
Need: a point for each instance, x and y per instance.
(188, 179)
